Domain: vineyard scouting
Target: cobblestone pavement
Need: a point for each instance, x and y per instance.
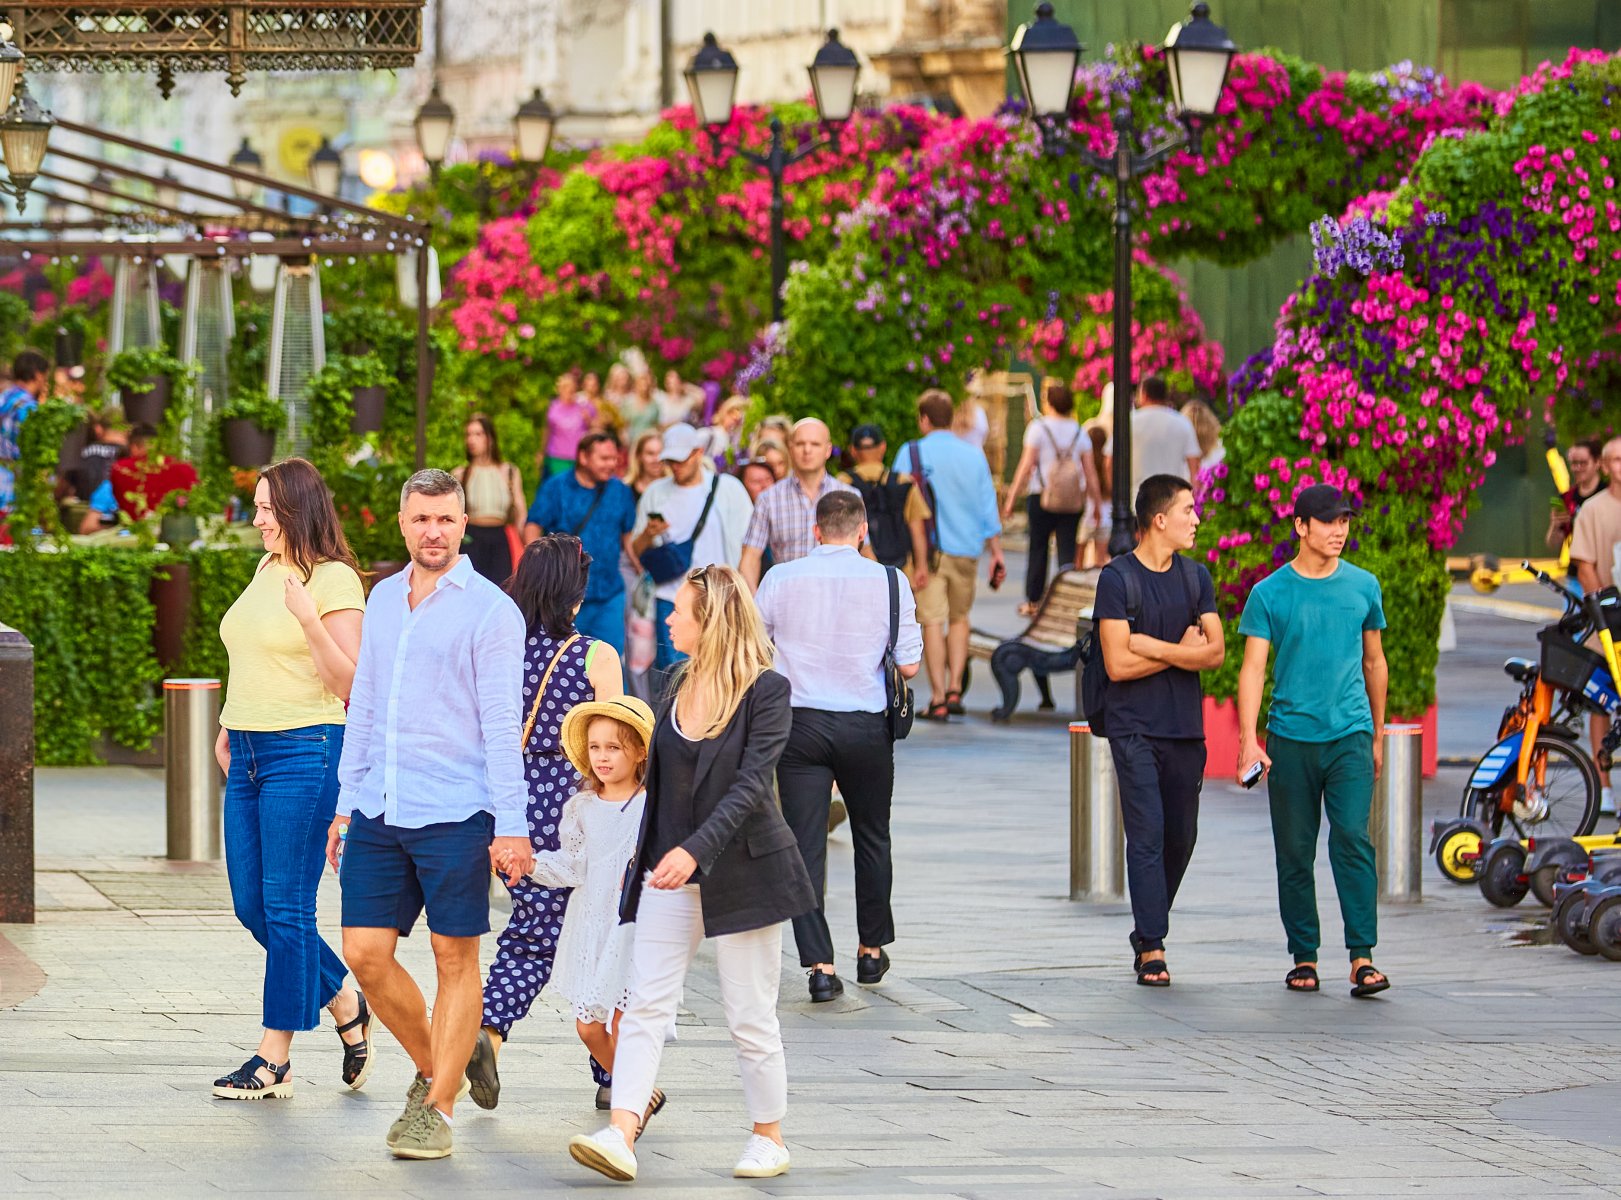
(1007, 1054)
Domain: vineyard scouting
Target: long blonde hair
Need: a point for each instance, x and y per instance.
(733, 650)
(1206, 427)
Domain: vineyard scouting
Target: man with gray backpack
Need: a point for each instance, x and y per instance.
(1058, 479)
(1155, 629)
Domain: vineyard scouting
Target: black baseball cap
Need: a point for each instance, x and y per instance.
(865, 437)
(1322, 501)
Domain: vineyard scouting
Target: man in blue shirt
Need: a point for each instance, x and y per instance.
(594, 506)
(29, 372)
(957, 482)
(1323, 616)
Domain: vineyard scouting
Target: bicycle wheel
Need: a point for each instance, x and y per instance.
(1561, 796)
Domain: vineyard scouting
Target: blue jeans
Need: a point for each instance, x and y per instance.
(604, 620)
(667, 655)
(279, 800)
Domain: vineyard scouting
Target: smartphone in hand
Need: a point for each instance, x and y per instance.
(998, 575)
(1252, 776)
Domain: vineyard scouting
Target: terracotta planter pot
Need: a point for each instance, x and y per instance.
(1221, 738)
(147, 408)
(170, 594)
(368, 416)
(247, 446)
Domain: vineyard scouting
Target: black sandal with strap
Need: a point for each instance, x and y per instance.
(1364, 986)
(244, 1083)
(654, 1107)
(1147, 966)
(357, 1055)
(1302, 979)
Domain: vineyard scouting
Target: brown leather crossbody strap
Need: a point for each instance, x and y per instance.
(540, 693)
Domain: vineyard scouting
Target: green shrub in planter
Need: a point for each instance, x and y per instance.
(248, 425)
(146, 379)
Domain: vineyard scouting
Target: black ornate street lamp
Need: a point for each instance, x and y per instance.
(248, 160)
(326, 168)
(532, 128)
(712, 84)
(24, 131)
(1045, 54)
(435, 122)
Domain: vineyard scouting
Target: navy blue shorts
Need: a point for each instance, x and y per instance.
(390, 874)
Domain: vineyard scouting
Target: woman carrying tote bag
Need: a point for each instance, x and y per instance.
(715, 859)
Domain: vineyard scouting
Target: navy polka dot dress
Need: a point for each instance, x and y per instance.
(524, 951)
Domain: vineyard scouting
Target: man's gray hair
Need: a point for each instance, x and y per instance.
(431, 481)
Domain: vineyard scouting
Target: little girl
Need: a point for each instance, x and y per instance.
(607, 742)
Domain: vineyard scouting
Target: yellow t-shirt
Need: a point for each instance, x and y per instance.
(274, 684)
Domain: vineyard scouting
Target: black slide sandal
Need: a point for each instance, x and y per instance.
(1362, 988)
(1302, 979)
(357, 1057)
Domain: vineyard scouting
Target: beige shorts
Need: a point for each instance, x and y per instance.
(950, 593)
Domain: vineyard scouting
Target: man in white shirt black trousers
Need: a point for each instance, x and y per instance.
(829, 615)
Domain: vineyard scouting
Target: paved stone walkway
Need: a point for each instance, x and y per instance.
(1007, 1055)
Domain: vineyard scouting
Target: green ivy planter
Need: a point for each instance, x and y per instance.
(368, 403)
(147, 408)
(178, 530)
(248, 445)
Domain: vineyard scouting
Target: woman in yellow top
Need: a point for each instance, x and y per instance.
(495, 504)
(293, 637)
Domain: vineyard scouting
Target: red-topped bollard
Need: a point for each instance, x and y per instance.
(1097, 843)
(191, 776)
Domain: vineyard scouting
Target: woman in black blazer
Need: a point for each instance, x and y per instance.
(715, 859)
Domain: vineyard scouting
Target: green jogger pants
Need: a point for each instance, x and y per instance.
(1307, 778)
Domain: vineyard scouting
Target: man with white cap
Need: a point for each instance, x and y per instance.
(692, 509)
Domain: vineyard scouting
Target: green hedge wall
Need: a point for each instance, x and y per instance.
(89, 615)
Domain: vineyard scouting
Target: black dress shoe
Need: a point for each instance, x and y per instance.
(824, 987)
(870, 970)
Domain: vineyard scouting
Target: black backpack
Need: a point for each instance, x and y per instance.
(887, 532)
(1094, 676)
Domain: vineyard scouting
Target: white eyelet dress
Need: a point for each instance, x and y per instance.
(592, 965)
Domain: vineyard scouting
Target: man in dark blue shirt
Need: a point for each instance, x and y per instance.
(594, 506)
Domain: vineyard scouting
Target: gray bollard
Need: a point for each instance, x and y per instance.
(1097, 843)
(191, 776)
(1394, 822)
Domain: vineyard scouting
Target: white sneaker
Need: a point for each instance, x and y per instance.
(1606, 802)
(605, 1151)
(762, 1159)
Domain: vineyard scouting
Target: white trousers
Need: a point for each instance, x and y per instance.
(669, 929)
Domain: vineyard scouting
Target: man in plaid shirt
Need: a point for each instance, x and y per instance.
(784, 521)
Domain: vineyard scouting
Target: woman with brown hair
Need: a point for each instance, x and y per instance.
(293, 638)
(495, 504)
(711, 811)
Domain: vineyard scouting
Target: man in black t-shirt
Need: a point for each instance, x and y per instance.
(1157, 624)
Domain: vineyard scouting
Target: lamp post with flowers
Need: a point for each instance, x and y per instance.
(712, 83)
(1045, 55)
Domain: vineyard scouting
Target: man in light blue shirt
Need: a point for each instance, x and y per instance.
(957, 484)
(829, 616)
(432, 795)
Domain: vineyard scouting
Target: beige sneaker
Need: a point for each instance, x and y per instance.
(762, 1159)
(414, 1096)
(426, 1136)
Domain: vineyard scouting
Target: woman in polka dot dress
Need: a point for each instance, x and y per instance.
(561, 669)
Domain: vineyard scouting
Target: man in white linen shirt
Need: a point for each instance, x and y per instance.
(828, 614)
(1162, 439)
(432, 796)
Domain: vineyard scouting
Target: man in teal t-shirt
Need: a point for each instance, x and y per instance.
(1323, 617)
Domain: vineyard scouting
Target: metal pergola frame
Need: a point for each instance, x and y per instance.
(337, 227)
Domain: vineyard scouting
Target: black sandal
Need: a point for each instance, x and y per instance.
(654, 1107)
(1362, 988)
(244, 1082)
(936, 712)
(954, 704)
(1146, 967)
(357, 1055)
(1302, 979)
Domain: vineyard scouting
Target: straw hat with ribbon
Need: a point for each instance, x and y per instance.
(577, 726)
